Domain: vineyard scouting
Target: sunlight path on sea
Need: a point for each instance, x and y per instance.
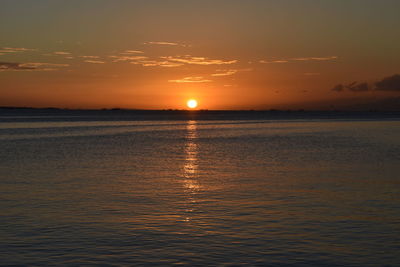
(190, 169)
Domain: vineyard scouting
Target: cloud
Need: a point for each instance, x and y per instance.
(273, 61)
(354, 87)
(338, 88)
(224, 73)
(94, 61)
(166, 44)
(358, 87)
(14, 66)
(90, 57)
(391, 83)
(128, 58)
(155, 63)
(62, 53)
(129, 52)
(8, 50)
(145, 61)
(315, 58)
(160, 43)
(228, 72)
(42, 64)
(197, 79)
(168, 61)
(312, 73)
(199, 60)
(330, 58)
(32, 66)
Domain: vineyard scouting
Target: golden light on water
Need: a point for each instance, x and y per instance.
(191, 103)
(190, 170)
(190, 167)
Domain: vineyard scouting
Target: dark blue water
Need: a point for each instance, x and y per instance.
(294, 191)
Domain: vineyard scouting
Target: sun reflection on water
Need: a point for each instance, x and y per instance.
(190, 169)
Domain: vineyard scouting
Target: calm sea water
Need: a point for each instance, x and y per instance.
(198, 192)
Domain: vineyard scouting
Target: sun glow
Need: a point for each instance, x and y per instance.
(191, 103)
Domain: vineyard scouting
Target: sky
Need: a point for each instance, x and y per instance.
(227, 54)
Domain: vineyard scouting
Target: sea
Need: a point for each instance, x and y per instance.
(199, 188)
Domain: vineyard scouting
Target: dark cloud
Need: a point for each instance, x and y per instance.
(354, 87)
(338, 88)
(358, 87)
(40, 66)
(15, 66)
(391, 83)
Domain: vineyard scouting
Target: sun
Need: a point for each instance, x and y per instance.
(191, 103)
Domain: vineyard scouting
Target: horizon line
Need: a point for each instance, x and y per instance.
(196, 110)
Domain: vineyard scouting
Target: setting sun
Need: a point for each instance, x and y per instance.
(192, 103)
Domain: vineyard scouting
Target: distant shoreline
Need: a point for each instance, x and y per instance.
(26, 114)
(197, 110)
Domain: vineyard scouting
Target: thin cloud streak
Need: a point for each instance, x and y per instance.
(315, 58)
(163, 43)
(128, 58)
(160, 43)
(90, 57)
(273, 61)
(94, 61)
(155, 63)
(225, 73)
(9, 50)
(199, 60)
(228, 72)
(330, 58)
(145, 61)
(4, 66)
(129, 52)
(31, 66)
(62, 53)
(197, 79)
(135, 57)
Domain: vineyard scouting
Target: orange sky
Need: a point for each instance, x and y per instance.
(226, 54)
